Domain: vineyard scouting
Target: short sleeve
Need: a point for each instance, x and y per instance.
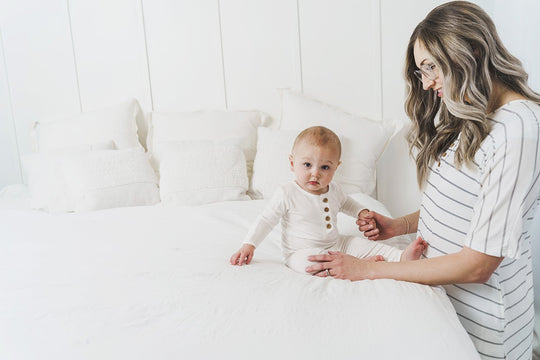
(507, 176)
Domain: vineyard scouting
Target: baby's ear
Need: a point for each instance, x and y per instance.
(291, 161)
(339, 163)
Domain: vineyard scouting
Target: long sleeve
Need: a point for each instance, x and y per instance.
(349, 206)
(269, 218)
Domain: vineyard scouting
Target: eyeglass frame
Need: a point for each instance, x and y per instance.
(427, 70)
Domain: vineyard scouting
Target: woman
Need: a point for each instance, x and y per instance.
(475, 130)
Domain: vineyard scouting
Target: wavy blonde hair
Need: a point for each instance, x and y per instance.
(464, 45)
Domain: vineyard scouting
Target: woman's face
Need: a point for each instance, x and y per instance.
(429, 73)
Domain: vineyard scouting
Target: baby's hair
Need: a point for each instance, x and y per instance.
(318, 136)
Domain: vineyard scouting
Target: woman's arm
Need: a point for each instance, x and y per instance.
(386, 227)
(465, 266)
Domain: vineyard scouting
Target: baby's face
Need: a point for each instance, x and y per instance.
(314, 166)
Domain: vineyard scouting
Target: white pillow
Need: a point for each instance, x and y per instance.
(201, 172)
(110, 178)
(116, 123)
(66, 181)
(363, 139)
(204, 125)
(271, 167)
(46, 180)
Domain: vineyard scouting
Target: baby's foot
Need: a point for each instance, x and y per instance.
(414, 250)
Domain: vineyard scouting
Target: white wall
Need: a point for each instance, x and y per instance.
(60, 57)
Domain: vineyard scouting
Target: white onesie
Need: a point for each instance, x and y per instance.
(308, 226)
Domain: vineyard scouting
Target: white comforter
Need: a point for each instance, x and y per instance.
(155, 283)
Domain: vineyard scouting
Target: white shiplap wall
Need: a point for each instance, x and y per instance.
(109, 51)
(37, 55)
(60, 57)
(10, 169)
(184, 54)
(341, 63)
(260, 52)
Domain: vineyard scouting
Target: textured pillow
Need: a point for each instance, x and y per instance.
(67, 181)
(110, 178)
(363, 140)
(271, 167)
(116, 123)
(201, 172)
(45, 176)
(204, 125)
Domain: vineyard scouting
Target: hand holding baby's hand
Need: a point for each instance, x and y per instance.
(244, 255)
(367, 224)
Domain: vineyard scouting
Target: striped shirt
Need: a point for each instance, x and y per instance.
(488, 206)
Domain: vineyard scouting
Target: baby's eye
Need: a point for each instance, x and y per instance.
(325, 167)
(308, 165)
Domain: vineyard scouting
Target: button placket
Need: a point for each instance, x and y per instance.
(326, 211)
(445, 154)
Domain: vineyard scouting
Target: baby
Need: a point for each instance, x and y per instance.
(308, 209)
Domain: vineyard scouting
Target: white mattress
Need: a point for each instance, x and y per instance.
(155, 283)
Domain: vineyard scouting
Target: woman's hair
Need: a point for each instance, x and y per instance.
(319, 136)
(465, 47)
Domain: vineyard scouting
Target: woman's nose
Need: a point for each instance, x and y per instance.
(427, 83)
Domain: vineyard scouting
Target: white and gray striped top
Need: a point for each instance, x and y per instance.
(489, 207)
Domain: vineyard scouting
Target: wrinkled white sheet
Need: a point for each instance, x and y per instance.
(155, 283)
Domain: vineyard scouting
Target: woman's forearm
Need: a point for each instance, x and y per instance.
(466, 266)
(409, 223)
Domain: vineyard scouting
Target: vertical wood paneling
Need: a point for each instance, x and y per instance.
(184, 51)
(398, 20)
(520, 37)
(341, 53)
(260, 51)
(110, 52)
(39, 61)
(221, 54)
(9, 155)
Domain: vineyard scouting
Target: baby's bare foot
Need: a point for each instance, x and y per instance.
(415, 250)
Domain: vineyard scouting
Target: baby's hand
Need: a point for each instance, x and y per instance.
(244, 255)
(366, 220)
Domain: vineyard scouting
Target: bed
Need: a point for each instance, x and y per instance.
(108, 259)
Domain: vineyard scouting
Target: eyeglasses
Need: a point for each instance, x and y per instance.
(426, 70)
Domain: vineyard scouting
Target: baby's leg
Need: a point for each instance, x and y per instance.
(298, 260)
(362, 248)
(415, 250)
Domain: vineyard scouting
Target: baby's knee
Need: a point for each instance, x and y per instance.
(298, 261)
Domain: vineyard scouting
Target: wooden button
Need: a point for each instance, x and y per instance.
(327, 218)
(328, 226)
(325, 200)
(326, 209)
(444, 154)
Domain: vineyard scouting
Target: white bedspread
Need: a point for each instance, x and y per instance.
(155, 283)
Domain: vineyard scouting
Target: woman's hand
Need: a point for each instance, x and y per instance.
(341, 266)
(244, 255)
(378, 227)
